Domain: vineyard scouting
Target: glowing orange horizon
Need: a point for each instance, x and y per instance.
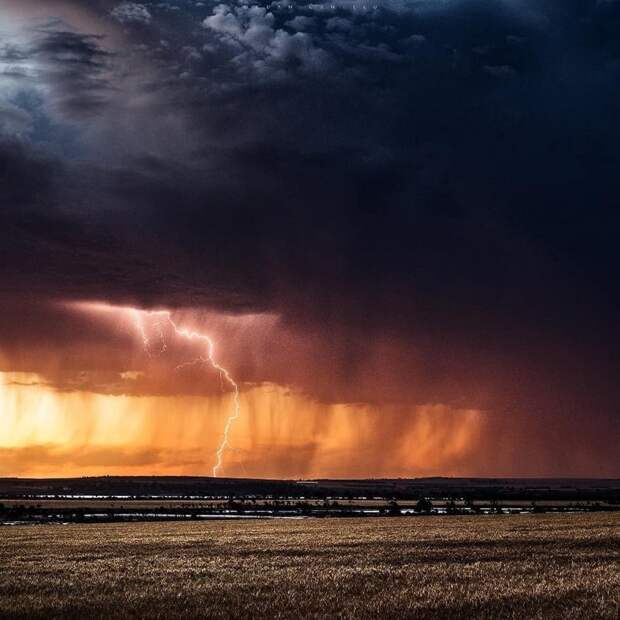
(281, 434)
(141, 418)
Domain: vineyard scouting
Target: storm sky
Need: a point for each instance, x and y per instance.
(397, 220)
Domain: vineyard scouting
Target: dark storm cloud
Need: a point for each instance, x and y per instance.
(421, 122)
(438, 176)
(75, 65)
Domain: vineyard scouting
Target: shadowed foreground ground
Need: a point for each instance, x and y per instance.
(524, 566)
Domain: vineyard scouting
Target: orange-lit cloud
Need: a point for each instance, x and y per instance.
(46, 432)
(79, 395)
(151, 411)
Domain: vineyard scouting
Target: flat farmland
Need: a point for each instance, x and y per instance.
(522, 566)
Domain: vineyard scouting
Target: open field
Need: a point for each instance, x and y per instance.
(525, 566)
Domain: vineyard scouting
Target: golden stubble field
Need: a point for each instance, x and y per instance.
(524, 566)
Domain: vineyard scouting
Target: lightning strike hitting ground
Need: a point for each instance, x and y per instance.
(162, 318)
(183, 332)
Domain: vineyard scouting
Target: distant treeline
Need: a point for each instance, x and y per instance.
(484, 489)
(233, 508)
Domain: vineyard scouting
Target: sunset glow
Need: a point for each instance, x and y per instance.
(46, 432)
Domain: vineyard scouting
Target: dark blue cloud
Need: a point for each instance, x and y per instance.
(439, 173)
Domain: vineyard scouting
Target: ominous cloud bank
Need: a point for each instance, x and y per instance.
(425, 193)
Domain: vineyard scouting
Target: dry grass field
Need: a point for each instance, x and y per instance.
(525, 566)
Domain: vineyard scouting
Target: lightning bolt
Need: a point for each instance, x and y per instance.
(165, 317)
